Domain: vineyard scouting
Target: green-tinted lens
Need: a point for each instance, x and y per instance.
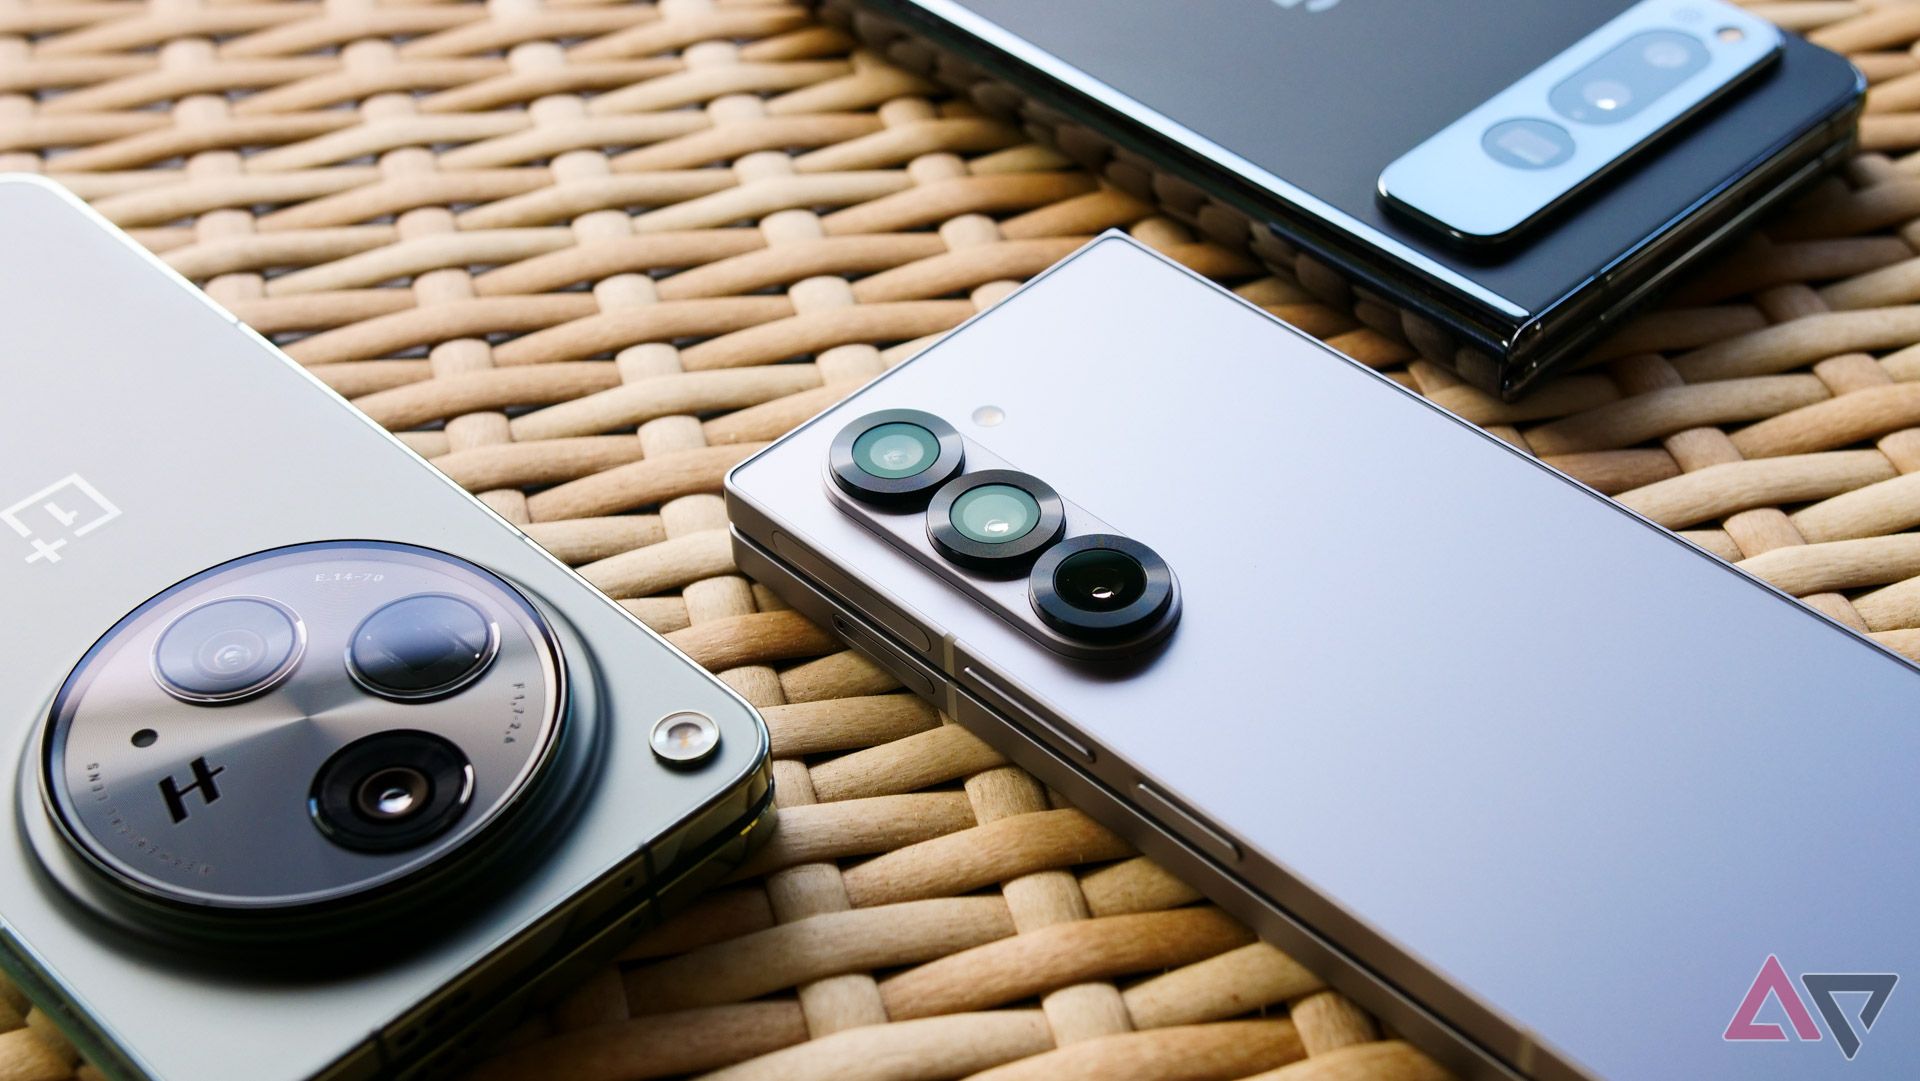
(1100, 580)
(995, 513)
(896, 450)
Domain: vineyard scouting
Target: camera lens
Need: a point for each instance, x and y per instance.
(422, 646)
(1101, 587)
(1629, 77)
(392, 794)
(1528, 144)
(227, 650)
(895, 457)
(995, 519)
(1100, 580)
(1665, 53)
(895, 450)
(995, 513)
(391, 791)
(1607, 95)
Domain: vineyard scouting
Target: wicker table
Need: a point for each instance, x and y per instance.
(697, 223)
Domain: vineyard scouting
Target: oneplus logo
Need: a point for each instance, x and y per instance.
(1310, 5)
(58, 514)
(202, 783)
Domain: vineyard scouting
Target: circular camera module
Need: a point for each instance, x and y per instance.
(895, 457)
(422, 646)
(228, 649)
(994, 520)
(384, 711)
(391, 791)
(1101, 588)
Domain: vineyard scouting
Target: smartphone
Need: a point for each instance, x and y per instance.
(1499, 183)
(322, 769)
(1540, 784)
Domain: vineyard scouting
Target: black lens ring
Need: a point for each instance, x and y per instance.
(394, 694)
(894, 491)
(1121, 623)
(332, 801)
(1004, 556)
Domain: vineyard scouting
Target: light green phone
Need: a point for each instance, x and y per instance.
(323, 767)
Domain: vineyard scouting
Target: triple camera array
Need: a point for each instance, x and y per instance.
(389, 791)
(1097, 588)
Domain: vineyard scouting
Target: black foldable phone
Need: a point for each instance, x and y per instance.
(1500, 182)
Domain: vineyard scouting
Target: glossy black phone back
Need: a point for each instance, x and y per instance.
(1320, 99)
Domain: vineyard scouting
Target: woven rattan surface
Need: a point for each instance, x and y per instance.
(585, 256)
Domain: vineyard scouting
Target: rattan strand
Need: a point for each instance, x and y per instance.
(586, 255)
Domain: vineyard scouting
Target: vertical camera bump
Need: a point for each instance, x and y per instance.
(1503, 166)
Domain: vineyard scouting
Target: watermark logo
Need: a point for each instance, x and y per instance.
(54, 516)
(1309, 5)
(1823, 988)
